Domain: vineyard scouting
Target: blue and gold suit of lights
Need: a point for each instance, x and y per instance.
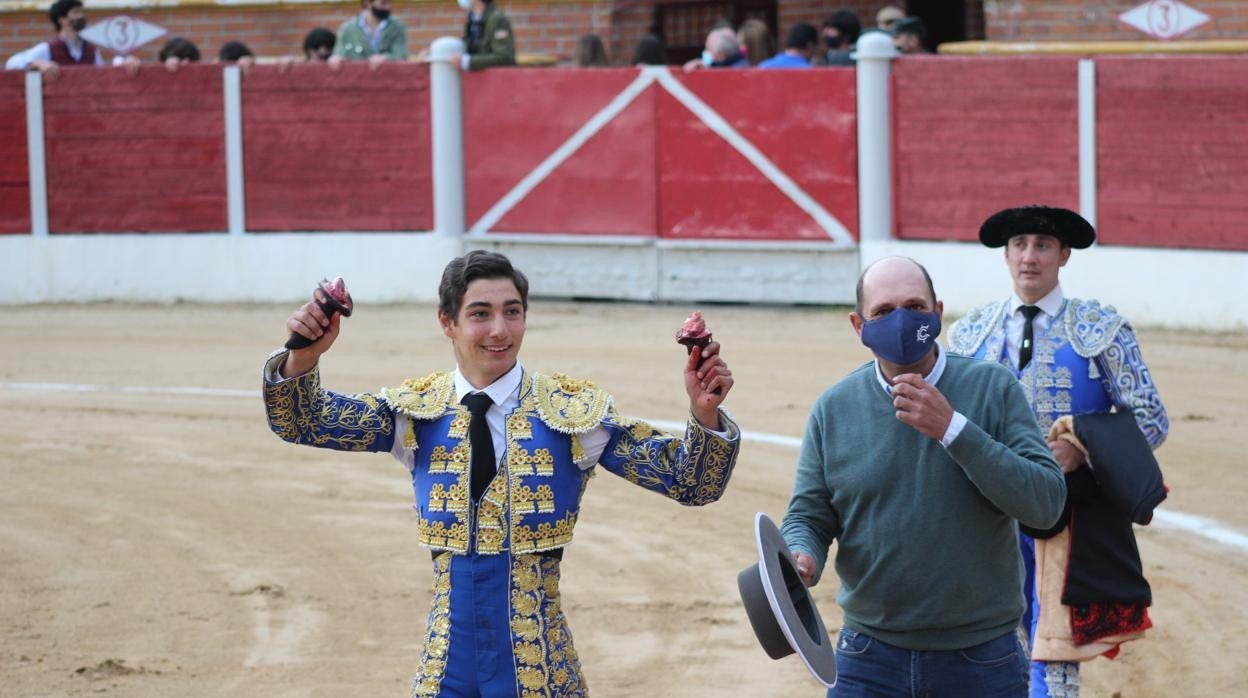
(496, 626)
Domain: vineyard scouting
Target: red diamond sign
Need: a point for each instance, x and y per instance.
(1164, 19)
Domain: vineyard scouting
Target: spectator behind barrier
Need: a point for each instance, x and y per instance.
(722, 51)
(237, 53)
(887, 17)
(66, 48)
(840, 34)
(910, 36)
(590, 52)
(177, 52)
(800, 47)
(318, 45)
(756, 41)
(650, 51)
(372, 35)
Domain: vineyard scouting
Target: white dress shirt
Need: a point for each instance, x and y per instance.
(958, 421)
(1014, 321)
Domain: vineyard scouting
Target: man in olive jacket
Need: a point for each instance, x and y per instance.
(373, 35)
(487, 36)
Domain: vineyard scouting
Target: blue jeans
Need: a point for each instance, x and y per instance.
(866, 667)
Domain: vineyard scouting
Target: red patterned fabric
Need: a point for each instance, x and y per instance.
(1098, 620)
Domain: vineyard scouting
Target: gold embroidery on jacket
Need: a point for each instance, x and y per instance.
(428, 681)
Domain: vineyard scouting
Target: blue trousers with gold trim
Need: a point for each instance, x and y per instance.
(496, 628)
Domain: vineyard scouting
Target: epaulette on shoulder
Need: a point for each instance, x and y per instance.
(421, 398)
(1091, 326)
(568, 405)
(968, 333)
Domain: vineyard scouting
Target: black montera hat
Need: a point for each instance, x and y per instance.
(780, 608)
(1061, 223)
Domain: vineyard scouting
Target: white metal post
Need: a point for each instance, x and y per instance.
(447, 111)
(875, 167)
(36, 159)
(234, 191)
(1087, 140)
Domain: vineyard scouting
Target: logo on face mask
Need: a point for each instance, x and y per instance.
(902, 337)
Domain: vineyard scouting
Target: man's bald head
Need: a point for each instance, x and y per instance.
(890, 283)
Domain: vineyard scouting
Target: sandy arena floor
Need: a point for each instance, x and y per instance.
(169, 545)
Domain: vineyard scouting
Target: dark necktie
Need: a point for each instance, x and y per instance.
(1024, 352)
(481, 443)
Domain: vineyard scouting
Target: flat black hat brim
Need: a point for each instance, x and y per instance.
(1061, 223)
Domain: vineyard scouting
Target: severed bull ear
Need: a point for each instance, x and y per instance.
(337, 300)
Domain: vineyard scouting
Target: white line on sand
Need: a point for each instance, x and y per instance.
(1162, 518)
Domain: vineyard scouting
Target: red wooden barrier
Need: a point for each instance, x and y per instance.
(515, 118)
(337, 150)
(657, 168)
(14, 170)
(803, 121)
(1172, 151)
(977, 134)
(143, 154)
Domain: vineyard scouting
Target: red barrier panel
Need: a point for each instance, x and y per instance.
(1172, 151)
(653, 166)
(802, 121)
(14, 170)
(976, 134)
(515, 119)
(337, 150)
(139, 153)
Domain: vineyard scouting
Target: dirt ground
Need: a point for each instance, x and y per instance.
(163, 545)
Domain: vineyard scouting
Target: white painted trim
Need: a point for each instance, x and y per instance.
(1174, 288)
(1162, 518)
(752, 245)
(580, 240)
(875, 54)
(1087, 140)
(538, 174)
(446, 114)
(232, 89)
(833, 227)
(36, 156)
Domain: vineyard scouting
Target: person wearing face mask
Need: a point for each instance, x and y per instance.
(722, 50)
(840, 35)
(373, 35)
(1072, 358)
(66, 48)
(920, 465)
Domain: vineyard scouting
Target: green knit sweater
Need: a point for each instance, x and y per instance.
(927, 540)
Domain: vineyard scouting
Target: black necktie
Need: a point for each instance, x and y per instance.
(481, 443)
(1024, 352)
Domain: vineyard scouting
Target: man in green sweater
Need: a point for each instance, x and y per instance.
(920, 466)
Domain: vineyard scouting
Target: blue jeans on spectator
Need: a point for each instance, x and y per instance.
(866, 667)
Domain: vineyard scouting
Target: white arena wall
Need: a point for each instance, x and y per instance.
(1154, 287)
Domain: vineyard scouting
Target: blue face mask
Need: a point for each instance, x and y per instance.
(902, 337)
(708, 59)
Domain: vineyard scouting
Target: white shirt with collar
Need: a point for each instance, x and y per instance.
(1049, 305)
(958, 422)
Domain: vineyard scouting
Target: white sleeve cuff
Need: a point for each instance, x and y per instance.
(955, 427)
